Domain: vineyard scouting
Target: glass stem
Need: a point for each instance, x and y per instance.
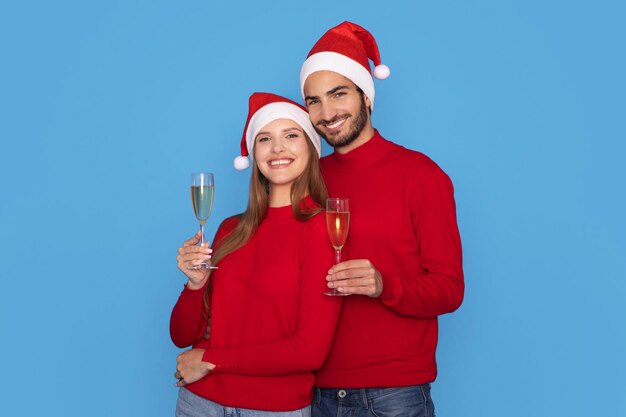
(201, 234)
(337, 256)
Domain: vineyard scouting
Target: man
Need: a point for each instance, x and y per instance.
(404, 264)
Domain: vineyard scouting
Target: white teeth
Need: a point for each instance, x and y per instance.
(279, 162)
(336, 124)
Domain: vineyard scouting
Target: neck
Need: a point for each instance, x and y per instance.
(366, 134)
(280, 195)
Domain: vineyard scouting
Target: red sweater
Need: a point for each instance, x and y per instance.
(271, 324)
(403, 219)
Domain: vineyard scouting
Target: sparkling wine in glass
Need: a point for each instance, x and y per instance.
(202, 188)
(337, 224)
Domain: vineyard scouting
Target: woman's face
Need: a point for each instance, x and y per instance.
(281, 152)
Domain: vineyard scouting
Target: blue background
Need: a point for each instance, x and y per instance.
(107, 107)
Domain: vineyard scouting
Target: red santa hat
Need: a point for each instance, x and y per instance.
(345, 49)
(264, 108)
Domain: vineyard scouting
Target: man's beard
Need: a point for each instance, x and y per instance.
(356, 127)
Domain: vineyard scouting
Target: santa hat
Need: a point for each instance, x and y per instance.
(345, 49)
(264, 108)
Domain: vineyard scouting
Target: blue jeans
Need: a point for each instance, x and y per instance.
(413, 401)
(192, 405)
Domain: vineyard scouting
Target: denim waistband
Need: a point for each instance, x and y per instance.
(360, 394)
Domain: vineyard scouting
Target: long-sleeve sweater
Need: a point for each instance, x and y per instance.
(403, 219)
(271, 324)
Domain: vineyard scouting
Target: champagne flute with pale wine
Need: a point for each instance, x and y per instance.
(202, 189)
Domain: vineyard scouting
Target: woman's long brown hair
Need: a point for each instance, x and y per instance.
(310, 182)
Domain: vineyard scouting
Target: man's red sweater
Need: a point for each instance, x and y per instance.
(271, 324)
(403, 219)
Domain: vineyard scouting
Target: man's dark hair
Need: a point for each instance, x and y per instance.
(369, 109)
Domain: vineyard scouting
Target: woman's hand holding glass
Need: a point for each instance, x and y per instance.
(190, 255)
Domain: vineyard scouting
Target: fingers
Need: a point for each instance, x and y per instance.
(191, 256)
(351, 264)
(364, 286)
(178, 374)
(194, 255)
(354, 282)
(194, 258)
(190, 250)
(190, 368)
(352, 273)
(195, 267)
(356, 276)
(369, 290)
(194, 250)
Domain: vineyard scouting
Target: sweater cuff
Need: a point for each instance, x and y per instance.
(392, 290)
(219, 358)
(190, 293)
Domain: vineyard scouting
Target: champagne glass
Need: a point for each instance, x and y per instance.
(337, 224)
(202, 187)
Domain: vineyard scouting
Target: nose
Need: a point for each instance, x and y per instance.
(327, 112)
(278, 145)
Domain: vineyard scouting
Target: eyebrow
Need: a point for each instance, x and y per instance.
(334, 90)
(329, 92)
(282, 131)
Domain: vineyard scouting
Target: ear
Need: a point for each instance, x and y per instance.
(368, 103)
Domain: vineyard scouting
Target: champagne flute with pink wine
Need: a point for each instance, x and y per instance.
(337, 224)
(202, 188)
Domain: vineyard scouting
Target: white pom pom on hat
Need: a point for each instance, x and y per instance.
(382, 71)
(264, 108)
(347, 49)
(241, 163)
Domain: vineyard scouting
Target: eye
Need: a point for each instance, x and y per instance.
(311, 102)
(339, 94)
(263, 139)
(293, 135)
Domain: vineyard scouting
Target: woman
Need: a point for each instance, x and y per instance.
(260, 324)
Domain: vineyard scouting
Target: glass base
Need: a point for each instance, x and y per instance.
(335, 293)
(202, 267)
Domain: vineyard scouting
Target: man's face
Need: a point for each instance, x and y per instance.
(337, 109)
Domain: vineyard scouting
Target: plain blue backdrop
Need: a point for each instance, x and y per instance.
(107, 107)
